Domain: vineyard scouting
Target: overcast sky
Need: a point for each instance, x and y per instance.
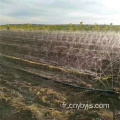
(59, 11)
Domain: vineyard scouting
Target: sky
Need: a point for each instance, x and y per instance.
(59, 11)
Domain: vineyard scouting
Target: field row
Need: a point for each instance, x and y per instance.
(65, 56)
(100, 55)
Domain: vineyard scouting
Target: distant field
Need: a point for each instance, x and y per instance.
(66, 27)
(35, 63)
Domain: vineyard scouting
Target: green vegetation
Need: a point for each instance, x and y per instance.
(67, 27)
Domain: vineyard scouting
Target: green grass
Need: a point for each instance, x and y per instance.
(70, 27)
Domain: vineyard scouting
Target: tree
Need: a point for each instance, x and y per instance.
(111, 24)
(8, 27)
(81, 23)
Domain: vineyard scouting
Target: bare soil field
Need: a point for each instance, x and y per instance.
(39, 71)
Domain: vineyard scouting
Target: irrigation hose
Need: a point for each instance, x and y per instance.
(111, 92)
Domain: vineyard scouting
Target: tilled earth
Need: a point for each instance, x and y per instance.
(27, 97)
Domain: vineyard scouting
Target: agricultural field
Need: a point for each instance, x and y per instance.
(43, 67)
(64, 27)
